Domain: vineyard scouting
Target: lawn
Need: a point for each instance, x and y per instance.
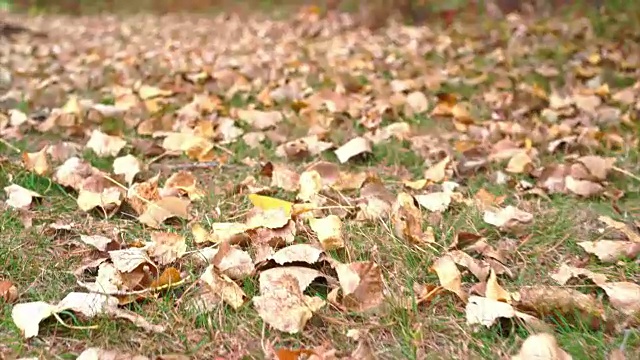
(303, 186)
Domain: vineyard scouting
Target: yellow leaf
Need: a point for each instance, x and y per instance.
(269, 203)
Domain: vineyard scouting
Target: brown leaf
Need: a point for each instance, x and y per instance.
(329, 231)
(407, 220)
(566, 272)
(36, 162)
(160, 210)
(8, 292)
(437, 173)
(507, 217)
(166, 247)
(624, 296)
(105, 145)
(554, 301)
(284, 307)
(182, 183)
(361, 284)
(621, 227)
(610, 251)
(221, 287)
(449, 276)
(539, 347)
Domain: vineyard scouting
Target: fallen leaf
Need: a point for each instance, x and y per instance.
(329, 231)
(571, 304)
(95, 353)
(494, 291)
(73, 171)
(105, 145)
(128, 166)
(541, 347)
(486, 312)
(166, 247)
(507, 217)
(436, 202)
(36, 162)
(269, 203)
(449, 276)
(127, 260)
(566, 272)
(233, 262)
(437, 173)
(621, 227)
(406, 218)
(225, 288)
(610, 251)
(27, 316)
(520, 163)
(353, 147)
(297, 253)
(583, 188)
(270, 278)
(160, 210)
(310, 186)
(97, 241)
(417, 102)
(98, 192)
(284, 307)
(8, 292)
(181, 183)
(361, 284)
(624, 296)
(19, 197)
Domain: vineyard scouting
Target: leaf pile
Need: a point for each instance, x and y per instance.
(289, 169)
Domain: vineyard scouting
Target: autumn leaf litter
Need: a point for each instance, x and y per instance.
(294, 196)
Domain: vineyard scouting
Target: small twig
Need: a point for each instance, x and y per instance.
(10, 146)
(625, 172)
(90, 327)
(220, 147)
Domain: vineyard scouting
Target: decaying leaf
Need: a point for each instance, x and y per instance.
(541, 347)
(449, 276)
(8, 292)
(624, 296)
(407, 220)
(221, 287)
(329, 231)
(284, 307)
(353, 147)
(19, 197)
(166, 247)
(361, 284)
(128, 166)
(105, 145)
(610, 251)
(27, 316)
(566, 272)
(507, 217)
(36, 162)
(621, 227)
(160, 210)
(437, 201)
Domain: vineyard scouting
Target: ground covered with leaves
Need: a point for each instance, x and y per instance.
(244, 187)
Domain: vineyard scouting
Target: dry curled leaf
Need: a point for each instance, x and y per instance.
(353, 147)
